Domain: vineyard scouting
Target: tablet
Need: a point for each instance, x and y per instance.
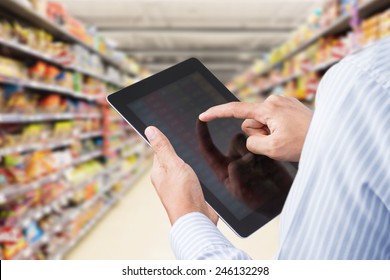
(244, 189)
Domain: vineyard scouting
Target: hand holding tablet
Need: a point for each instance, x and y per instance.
(246, 190)
(169, 175)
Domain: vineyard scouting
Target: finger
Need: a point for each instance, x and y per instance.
(213, 156)
(239, 110)
(251, 123)
(162, 148)
(253, 127)
(253, 132)
(261, 144)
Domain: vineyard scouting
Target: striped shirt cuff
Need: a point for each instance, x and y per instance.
(194, 236)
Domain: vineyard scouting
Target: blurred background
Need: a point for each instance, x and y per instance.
(226, 35)
(74, 177)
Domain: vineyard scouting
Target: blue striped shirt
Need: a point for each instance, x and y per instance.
(339, 204)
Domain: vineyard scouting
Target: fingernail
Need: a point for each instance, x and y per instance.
(150, 132)
(202, 115)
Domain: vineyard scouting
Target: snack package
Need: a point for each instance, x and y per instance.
(50, 103)
(12, 68)
(5, 30)
(51, 74)
(15, 166)
(37, 71)
(62, 130)
(32, 232)
(14, 244)
(34, 133)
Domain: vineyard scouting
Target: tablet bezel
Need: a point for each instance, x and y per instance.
(120, 99)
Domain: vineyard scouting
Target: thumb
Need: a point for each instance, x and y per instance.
(161, 146)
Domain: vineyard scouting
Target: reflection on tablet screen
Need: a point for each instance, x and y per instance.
(216, 151)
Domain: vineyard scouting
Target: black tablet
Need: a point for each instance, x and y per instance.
(246, 190)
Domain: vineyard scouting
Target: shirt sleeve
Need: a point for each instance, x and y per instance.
(194, 236)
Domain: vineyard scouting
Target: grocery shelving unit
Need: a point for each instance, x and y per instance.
(339, 26)
(342, 24)
(320, 67)
(39, 55)
(127, 159)
(40, 21)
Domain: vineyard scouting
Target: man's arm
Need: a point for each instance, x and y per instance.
(195, 236)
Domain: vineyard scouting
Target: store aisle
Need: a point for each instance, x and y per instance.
(138, 228)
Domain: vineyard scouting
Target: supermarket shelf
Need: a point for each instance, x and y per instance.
(69, 246)
(26, 253)
(145, 165)
(87, 157)
(40, 21)
(63, 251)
(47, 146)
(116, 133)
(10, 192)
(47, 87)
(137, 147)
(29, 51)
(38, 213)
(338, 26)
(129, 142)
(96, 76)
(42, 56)
(119, 177)
(115, 118)
(317, 68)
(281, 82)
(23, 118)
(325, 65)
(92, 134)
(35, 147)
(123, 174)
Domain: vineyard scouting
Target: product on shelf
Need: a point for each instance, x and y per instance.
(15, 244)
(299, 75)
(376, 28)
(49, 220)
(63, 53)
(87, 170)
(17, 100)
(12, 68)
(54, 180)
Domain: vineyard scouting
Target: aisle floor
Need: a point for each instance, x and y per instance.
(138, 228)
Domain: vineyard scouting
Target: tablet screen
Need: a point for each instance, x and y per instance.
(216, 151)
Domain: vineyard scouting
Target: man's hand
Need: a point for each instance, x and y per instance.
(276, 128)
(257, 181)
(175, 181)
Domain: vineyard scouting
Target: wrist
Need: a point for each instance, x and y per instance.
(182, 210)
